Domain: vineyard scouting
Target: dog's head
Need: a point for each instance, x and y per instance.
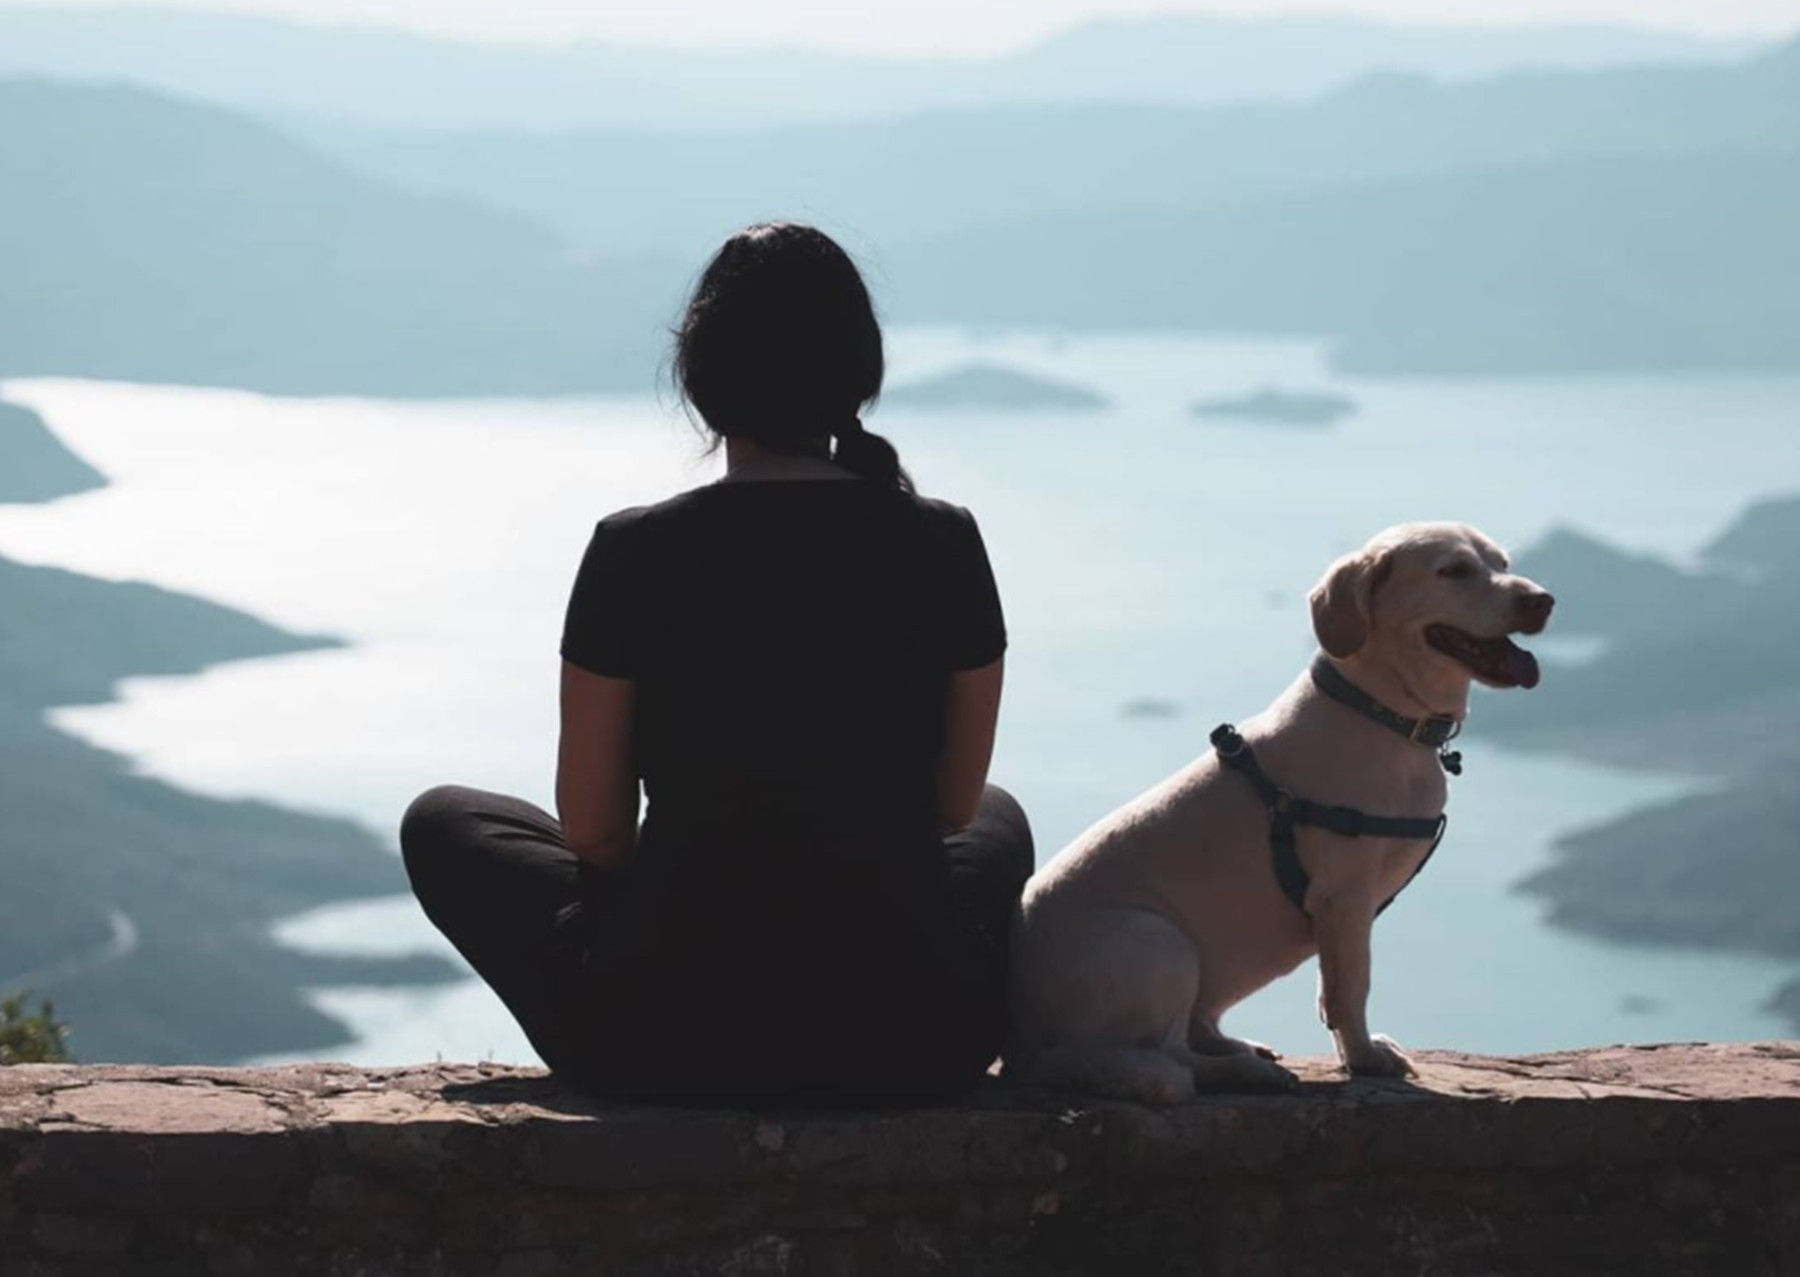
(1439, 602)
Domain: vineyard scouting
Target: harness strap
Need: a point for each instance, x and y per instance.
(1286, 812)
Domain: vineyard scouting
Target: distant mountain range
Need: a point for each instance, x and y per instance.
(147, 238)
(1599, 264)
(1627, 220)
(925, 175)
(1545, 223)
(377, 76)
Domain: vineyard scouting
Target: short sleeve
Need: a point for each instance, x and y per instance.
(975, 625)
(598, 634)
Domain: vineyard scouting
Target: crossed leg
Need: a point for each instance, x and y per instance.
(491, 871)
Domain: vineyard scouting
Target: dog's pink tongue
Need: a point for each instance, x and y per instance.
(1519, 666)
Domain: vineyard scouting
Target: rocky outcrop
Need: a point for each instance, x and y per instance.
(1674, 1159)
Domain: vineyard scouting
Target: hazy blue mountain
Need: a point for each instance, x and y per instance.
(1543, 223)
(34, 464)
(1195, 59)
(1552, 223)
(145, 238)
(926, 175)
(1717, 871)
(1609, 592)
(1706, 680)
(1762, 540)
(1604, 263)
(382, 76)
(1698, 675)
(142, 910)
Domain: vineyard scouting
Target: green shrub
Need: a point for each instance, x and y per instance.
(31, 1037)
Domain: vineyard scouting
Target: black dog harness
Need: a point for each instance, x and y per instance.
(1286, 811)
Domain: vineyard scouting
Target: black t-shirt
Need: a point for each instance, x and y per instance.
(791, 643)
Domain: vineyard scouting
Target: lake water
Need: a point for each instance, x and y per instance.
(1141, 554)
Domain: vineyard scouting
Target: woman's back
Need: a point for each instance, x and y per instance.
(790, 643)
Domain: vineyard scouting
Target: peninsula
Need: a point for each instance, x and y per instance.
(141, 910)
(1718, 869)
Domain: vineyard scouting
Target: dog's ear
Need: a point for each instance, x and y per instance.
(1340, 603)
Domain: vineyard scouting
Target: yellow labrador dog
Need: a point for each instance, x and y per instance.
(1283, 842)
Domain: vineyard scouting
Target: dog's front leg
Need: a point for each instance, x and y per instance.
(1342, 926)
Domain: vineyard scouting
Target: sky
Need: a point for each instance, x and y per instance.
(934, 26)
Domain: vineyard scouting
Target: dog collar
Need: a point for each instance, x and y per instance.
(1433, 732)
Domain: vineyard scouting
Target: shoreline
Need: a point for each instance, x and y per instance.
(1707, 870)
(133, 895)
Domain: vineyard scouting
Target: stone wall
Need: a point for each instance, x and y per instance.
(1664, 1160)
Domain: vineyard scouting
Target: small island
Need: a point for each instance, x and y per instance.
(1280, 407)
(994, 387)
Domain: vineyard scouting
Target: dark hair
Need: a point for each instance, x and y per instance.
(780, 345)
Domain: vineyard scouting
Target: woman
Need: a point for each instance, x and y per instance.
(801, 664)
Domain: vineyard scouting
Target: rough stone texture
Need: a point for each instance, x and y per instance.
(1666, 1160)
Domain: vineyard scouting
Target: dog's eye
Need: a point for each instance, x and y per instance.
(1458, 571)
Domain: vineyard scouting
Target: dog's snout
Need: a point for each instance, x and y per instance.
(1535, 609)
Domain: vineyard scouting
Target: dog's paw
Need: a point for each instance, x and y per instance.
(1402, 1061)
(1381, 1058)
(1222, 1045)
(1243, 1073)
(1270, 1076)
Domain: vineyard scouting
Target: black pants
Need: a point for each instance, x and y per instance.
(492, 872)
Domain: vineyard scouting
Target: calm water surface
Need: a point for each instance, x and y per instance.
(1141, 554)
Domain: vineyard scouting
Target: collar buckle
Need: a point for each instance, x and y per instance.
(1434, 731)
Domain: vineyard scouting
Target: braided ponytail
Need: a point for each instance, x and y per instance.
(863, 452)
